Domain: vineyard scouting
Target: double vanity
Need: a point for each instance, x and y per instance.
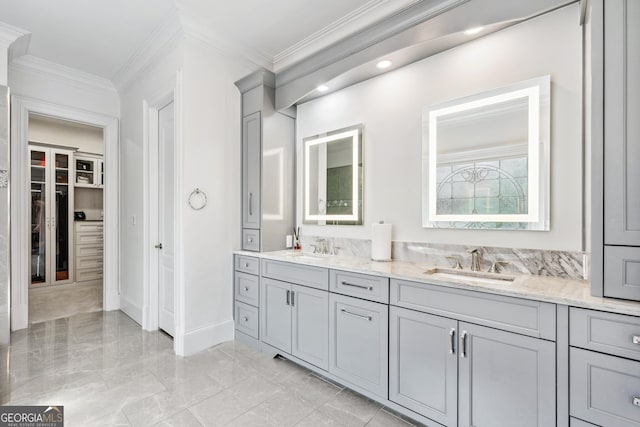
(447, 347)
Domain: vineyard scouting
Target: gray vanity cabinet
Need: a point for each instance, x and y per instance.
(251, 170)
(358, 342)
(295, 319)
(310, 325)
(275, 310)
(268, 139)
(505, 379)
(615, 134)
(423, 365)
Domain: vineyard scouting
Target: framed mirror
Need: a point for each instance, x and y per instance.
(485, 159)
(332, 174)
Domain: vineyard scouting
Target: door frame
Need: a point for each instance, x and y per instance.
(21, 107)
(151, 296)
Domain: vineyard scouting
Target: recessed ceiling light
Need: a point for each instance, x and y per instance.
(472, 31)
(383, 64)
(322, 88)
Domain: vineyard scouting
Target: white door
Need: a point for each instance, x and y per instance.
(166, 203)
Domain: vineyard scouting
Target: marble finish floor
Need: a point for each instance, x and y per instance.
(57, 302)
(106, 371)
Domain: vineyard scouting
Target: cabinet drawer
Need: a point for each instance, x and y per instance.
(247, 288)
(247, 319)
(315, 277)
(533, 318)
(373, 288)
(89, 227)
(247, 264)
(89, 274)
(615, 334)
(89, 238)
(622, 272)
(89, 262)
(605, 390)
(358, 342)
(251, 240)
(89, 250)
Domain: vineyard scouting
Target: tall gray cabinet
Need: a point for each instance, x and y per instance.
(615, 35)
(268, 140)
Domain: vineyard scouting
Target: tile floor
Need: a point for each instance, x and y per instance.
(106, 371)
(56, 302)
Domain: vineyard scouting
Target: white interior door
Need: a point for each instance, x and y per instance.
(166, 246)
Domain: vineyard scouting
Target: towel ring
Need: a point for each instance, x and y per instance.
(197, 199)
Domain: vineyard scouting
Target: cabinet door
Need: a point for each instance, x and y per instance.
(622, 127)
(423, 365)
(275, 314)
(310, 325)
(358, 342)
(251, 169)
(505, 379)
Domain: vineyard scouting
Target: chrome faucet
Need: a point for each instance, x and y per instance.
(475, 260)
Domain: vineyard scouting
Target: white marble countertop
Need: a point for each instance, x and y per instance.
(575, 293)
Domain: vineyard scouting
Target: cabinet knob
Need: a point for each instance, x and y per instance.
(246, 265)
(250, 239)
(245, 318)
(246, 288)
(636, 401)
(636, 339)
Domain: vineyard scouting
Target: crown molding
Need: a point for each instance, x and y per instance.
(204, 33)
(15, 39)
(367, 14)
(43, 67)
(163, 38)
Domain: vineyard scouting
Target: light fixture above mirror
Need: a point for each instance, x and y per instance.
(333, 177)
(486, 159)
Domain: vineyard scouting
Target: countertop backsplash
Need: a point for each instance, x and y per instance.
(561, 264)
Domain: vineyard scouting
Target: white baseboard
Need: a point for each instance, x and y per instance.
(203, 338)
(19, 317)
(132, 310)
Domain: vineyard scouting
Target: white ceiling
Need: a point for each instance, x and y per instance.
(99, 37)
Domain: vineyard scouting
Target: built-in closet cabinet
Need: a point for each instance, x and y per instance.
(51, 213)
(89, 171)
(268, 139)
(616, 272)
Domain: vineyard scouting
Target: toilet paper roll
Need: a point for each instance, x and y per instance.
(381, 242)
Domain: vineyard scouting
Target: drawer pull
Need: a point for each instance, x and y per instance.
(369, 318)
(636, 339)
(246, 265)
(250, 239)
(636, 401)
(245, 318)
(368, 288)
(246, 288)
(452, 338)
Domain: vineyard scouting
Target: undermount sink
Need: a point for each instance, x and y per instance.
(470, 276)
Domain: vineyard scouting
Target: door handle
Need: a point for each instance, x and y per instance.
(463, 344)
(158, 246)
(250, 204)
(293, 298)
(288, 297)
(452, 341)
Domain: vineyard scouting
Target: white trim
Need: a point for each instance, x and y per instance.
(34, 64)
(151, 110)
(21, 108)
(131, 309)
(206, 337)
(161, 40)
(356, 20)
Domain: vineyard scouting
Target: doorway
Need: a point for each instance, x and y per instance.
(66, 211)
(22, 109)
